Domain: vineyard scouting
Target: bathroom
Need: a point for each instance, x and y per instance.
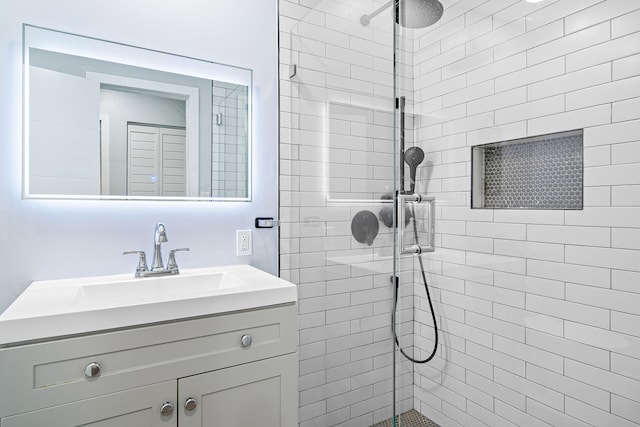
(537, 309)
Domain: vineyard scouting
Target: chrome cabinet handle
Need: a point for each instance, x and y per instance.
(246, 340)
(166, 409)
(92, 370)
(190, 404)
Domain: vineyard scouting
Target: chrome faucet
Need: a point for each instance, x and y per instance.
(157, 269)
(159, 237)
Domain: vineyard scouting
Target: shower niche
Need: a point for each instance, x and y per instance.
(539, 172)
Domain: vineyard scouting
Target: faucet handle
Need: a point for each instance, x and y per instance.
(142, 262)
(171, 264)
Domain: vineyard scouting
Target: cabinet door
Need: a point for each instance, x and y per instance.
(139, 407)
(262, 393)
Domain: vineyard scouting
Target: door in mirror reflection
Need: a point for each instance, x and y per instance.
(156, 161)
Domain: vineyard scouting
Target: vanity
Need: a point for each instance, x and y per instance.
(213, 346)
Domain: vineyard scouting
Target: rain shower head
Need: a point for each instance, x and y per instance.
(419, 13)
(410, 13)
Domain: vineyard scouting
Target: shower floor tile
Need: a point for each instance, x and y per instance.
(411, 418)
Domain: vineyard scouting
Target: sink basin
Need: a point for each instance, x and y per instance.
(156, 289)
(55, 308)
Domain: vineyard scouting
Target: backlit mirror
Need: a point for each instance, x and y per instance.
(105, 120)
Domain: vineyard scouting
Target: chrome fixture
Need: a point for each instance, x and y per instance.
(413, 157)
(246, 340)
(159, 237)
(166, 409)
(158, 268)
(92, 370)
(142, 268)
(410, 13)
(172, 266)
(415, 199)
(190, 404)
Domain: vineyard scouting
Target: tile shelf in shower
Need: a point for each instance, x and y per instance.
(538, 172)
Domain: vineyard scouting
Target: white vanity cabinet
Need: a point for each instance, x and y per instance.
(236, 369)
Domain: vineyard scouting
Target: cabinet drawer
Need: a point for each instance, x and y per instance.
(44, 374)
(139, 407)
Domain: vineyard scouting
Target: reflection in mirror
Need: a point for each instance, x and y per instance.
(110, 121)
(230, 171)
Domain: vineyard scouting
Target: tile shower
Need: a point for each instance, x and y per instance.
(538, 308)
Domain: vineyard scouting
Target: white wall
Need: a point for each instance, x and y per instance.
(539, 310)
(64, 134)
(52, 239)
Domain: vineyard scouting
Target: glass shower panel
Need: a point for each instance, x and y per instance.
(413, 216)
(416, 319)
(338, 173)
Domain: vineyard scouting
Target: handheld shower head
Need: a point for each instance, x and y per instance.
(413, 157)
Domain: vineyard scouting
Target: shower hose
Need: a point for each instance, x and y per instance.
(426, 288)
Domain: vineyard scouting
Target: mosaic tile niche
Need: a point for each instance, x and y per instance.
(540, 172)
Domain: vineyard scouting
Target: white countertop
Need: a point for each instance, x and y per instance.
(55, 308)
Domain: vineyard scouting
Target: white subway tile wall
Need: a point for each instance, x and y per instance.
(539, 310)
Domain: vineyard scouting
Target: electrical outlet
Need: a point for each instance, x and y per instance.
(243, 242)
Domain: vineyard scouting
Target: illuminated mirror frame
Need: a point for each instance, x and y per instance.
(103, 50)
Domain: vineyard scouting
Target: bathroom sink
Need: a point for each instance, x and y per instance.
(166, 288)
(55, 308)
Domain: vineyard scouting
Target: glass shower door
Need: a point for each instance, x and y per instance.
(338, 187)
